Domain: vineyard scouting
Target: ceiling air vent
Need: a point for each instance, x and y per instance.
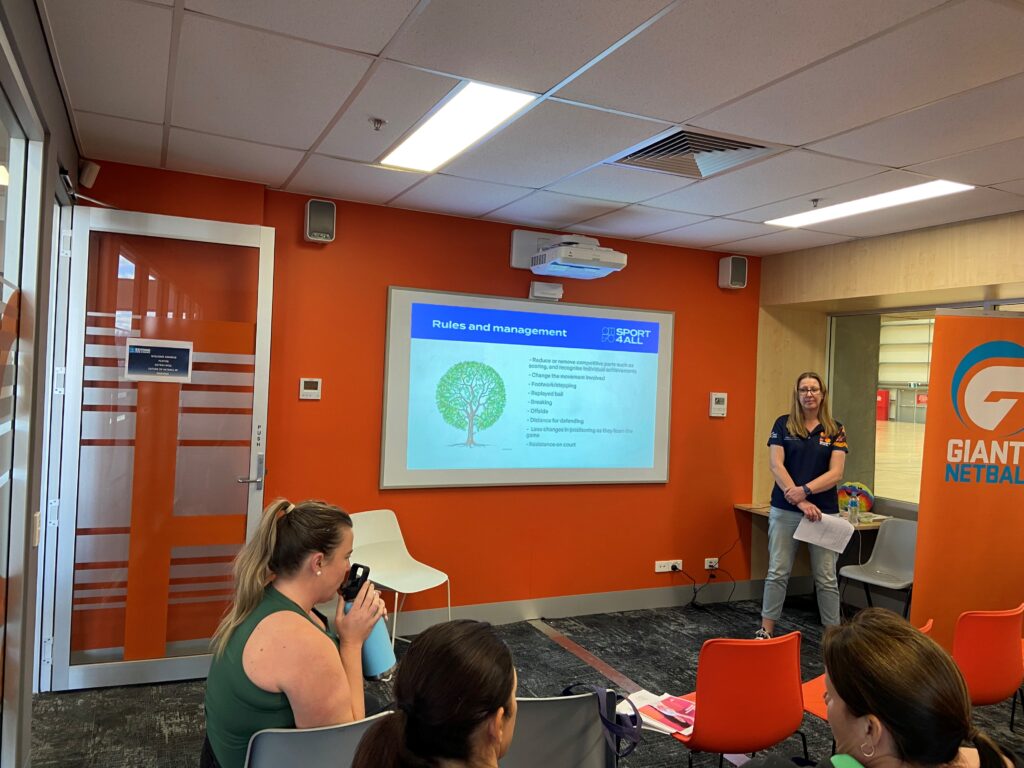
(694, 155)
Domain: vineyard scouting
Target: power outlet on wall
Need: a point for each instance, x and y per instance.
(667, 566)
(710, 563)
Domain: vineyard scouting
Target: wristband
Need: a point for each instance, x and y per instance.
(806, 490)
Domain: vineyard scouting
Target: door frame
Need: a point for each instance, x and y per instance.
(86, 220)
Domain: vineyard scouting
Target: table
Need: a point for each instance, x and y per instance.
(762, 511)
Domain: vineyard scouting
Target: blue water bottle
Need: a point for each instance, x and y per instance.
(378, 655)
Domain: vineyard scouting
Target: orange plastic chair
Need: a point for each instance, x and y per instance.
(987, 648)
(748, 696)
(814, 690)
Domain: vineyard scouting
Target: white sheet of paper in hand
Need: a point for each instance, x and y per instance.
(831, 532)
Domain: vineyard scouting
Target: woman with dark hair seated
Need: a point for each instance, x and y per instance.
(897, 699)
(455, 696)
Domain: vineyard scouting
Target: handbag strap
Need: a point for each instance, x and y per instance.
(622, 732)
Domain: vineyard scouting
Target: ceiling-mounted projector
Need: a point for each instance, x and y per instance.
(570, 258)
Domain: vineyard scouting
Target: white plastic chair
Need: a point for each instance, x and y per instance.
(379, 545)
(891, 563)
(557, 731)
(333, 745)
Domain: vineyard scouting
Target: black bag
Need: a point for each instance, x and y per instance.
(622, 732)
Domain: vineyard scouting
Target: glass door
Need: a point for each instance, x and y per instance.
(163, 458)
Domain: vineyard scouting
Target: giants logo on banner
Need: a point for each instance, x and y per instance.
(970, 522)
(987, 391)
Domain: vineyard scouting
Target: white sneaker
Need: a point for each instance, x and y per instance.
(762, 634)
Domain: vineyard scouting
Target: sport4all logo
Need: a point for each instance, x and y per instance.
(988, 388)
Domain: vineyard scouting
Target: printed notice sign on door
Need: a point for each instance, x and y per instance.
(158, 360)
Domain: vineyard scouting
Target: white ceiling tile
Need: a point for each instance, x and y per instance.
(113, 55)
(229, 158)
(396, 93)
(637, 221)
(253, 85)
(707, 52)
(360, 25)
(974, 204)
(780, 242)
(854, 190)
(461, 197)
(626, 185)
(858, 86)
(1016, 187)
(527, 44)
(550, 209)
(979, 117)
(550, 142)
(985, 166)
(711, 232)
(122, 141)
(330, 177)
(779, 177)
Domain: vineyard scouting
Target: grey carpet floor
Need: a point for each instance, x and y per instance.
(161, 726)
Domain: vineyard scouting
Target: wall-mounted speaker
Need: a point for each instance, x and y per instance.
(319, 221)
(732, 272)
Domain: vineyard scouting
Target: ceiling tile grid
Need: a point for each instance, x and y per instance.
(863, 97)
(527, 44)
(230, 158)
(460, 197)
(550, 142)
(396, 94)
(117, 69)
(781, 176)
(253, 85)
(637, 221)
(859, 86)
(330, 177)
(359, 25)
(706, 52)
(120, 140)
(550, 209)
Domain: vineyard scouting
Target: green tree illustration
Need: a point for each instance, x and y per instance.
(471, 396)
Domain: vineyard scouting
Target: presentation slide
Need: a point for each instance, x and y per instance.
(493, 391)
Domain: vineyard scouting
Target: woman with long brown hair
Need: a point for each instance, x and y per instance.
(277, 661)
(806, 456)
(455, 702)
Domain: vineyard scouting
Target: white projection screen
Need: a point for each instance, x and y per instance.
(483, 390)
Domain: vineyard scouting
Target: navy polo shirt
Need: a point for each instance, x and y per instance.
(807, 458)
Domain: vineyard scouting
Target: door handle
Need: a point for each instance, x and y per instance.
(260, 472)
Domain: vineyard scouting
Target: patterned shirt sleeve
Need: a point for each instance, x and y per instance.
(839, 444)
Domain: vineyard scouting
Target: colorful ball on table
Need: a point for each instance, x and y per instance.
(864, 495)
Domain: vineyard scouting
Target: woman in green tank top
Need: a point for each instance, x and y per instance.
(277, 661)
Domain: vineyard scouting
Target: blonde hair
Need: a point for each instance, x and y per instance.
(795, 422)
(287, 533)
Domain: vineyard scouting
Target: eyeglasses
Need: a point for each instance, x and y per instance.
(809, 390)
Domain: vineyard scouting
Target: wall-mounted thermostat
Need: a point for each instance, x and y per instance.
(719, 401)
(309, 389)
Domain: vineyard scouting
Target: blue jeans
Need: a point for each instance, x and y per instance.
(782, 548)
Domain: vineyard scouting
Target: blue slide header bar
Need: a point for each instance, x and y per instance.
(538, 329)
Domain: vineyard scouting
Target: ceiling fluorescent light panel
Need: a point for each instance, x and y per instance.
(473, 112)
(873, 203)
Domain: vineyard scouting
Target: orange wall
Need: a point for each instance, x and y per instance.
(497, 544)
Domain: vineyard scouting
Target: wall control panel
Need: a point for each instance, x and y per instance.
(309, 389)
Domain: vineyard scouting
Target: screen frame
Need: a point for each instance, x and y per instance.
(395, 405)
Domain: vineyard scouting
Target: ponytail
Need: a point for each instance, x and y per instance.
(286, 534)
(990, 754)
(385, 746)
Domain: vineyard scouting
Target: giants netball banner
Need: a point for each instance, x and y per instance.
(971, 517)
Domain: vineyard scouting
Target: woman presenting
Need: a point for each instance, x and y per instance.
(806, 455)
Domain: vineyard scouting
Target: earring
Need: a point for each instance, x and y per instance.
(319, 573)
(865, 752)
